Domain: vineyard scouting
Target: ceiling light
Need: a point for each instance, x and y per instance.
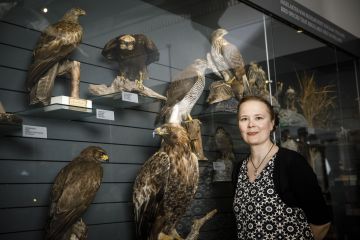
(45, 10)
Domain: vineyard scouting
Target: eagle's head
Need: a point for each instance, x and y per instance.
(77, 11)
(95, 153)
(73, 14)
(220, 131)
(173, 134)
(127, 42)
(218, 33)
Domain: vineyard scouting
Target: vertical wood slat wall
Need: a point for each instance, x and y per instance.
(28, 166)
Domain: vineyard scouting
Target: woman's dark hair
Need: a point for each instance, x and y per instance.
(274, 116)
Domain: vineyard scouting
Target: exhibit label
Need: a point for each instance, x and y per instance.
(34, 131)
(105, 114)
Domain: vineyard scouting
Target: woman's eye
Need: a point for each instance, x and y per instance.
(259, 118)
(243, 119)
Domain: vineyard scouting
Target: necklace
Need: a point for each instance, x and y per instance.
(256, 168)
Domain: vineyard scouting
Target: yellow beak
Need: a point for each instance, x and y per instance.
(105, 157)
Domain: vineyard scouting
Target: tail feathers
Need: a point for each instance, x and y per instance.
(42, 90)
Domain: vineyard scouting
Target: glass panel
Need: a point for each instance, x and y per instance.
(317, 90)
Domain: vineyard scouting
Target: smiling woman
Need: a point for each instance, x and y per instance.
(273, 184)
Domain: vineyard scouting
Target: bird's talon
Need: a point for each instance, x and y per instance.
(139, 84)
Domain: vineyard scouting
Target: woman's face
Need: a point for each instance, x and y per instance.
(255, 122)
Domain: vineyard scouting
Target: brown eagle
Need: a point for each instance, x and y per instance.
(55, 44)
(73, 191)
(133, 52)
(165, 185)
(183, 92)
(224, 144)
(227, 62)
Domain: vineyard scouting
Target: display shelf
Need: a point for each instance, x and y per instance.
(59, 111)
(123, 100)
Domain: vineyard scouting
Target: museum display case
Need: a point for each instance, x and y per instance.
(93, 97)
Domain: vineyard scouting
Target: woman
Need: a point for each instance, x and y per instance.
(277, 195)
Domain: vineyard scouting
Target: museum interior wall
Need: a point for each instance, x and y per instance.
(181, 31)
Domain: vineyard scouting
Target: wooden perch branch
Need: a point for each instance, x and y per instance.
(198, 223)
(123, 84)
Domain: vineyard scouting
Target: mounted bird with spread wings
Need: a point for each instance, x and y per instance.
(73, 191)
(183, 92)
(55, 44)
(227, 62)
(133, 52)
(165, 185)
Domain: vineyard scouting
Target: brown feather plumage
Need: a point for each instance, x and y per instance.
(73, 191)
(166, 184)
(133, 52)
(55, 44)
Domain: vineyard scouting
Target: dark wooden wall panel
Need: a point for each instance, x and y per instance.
(36, 194)
(22, 235)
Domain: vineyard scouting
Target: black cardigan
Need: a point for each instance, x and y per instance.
(297, 185)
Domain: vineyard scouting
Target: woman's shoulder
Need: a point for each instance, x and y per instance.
(290, 156)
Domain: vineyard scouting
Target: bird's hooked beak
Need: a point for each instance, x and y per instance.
(159, 131)
(82, 13)
(104, 157)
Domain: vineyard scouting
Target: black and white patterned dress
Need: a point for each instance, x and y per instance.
(261, 214)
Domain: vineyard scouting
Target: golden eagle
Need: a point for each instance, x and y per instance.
(73, 191)
(133, 52)
(55, 44)
(227, 62)
(165, 185)
(183, 92)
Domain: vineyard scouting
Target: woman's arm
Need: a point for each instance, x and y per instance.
(320, 231)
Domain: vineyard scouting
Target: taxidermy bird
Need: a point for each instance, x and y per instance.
(183, 92)
(133, 52)
(257, 80)
(165, 185)
(224, 144)
(55, 44)
(227, 62)
(73, 191)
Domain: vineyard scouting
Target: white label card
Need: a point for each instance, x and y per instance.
(219, 166)
(130, 97)
(34, 131)
(105, 114)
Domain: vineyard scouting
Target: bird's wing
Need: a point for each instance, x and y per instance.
(232, 56)
(55, 43)
(150, 48)
(177, 90)
(110, 50)
(73, 191)
(181, 86)
(149, 188)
